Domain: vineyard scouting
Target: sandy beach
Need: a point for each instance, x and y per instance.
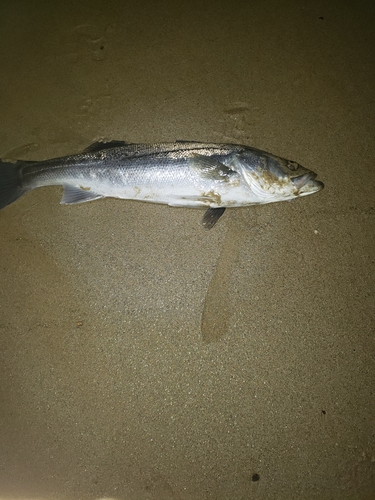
(142, 356)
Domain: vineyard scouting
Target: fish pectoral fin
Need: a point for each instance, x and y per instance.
(212, 169)
(100, 145)
(74, 194)
(211, 216)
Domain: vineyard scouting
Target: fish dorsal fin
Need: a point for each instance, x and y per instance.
(100, 145)
(212, 169)
(211, 216)
(74, 194)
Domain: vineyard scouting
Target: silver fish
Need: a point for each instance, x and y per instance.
(179, 174)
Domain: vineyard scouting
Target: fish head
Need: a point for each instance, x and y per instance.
(275, 179)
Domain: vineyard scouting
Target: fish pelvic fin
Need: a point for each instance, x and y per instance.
(211, 216)
(11, 186)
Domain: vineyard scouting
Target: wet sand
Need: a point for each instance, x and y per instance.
(141, 356)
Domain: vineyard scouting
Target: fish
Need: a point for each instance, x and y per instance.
(179, 174)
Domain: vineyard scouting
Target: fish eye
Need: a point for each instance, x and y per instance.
(292, 165)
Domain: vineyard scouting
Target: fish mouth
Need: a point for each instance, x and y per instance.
(306, 184)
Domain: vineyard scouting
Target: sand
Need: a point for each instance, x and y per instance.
(141, 356)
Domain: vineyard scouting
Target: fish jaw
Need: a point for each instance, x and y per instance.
(309, 185)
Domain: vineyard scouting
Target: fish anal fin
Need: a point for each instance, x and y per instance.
(101, 145)
(73, 195)
(211, 216)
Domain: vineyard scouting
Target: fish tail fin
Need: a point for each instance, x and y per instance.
(11, 186)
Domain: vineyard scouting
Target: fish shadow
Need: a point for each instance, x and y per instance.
(217, 306)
